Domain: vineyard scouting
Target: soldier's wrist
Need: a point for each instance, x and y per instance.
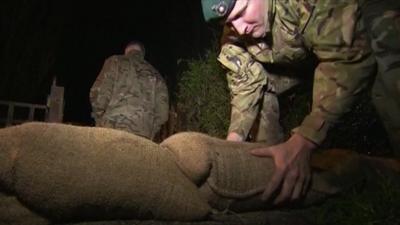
(302, 142)
(233, 136)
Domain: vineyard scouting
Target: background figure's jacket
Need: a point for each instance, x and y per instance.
(330, 29)
(130, 94)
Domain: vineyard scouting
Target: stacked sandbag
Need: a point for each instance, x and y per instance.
(251, 218)
(230, 178)
(67, 172)
(12, 212)
(223, 170)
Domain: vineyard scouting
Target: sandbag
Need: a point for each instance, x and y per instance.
(70, 172)
(221, 163)
(251, 218)
(12, 212)
(233, 179)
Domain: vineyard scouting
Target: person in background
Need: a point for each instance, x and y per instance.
(130, 94)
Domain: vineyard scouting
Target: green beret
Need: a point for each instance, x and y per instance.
(216, 9)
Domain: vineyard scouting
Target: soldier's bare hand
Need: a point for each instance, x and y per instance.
(292, 173)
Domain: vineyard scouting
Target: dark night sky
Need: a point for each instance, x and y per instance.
(71, 40)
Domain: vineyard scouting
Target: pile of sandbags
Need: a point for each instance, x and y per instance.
(61, 173)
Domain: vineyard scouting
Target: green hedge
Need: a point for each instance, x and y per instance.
(203, 98)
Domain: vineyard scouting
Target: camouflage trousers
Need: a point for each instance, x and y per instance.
(382, 21)
(265, 107)
(254, 94)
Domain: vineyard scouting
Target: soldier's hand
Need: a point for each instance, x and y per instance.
(292, 173)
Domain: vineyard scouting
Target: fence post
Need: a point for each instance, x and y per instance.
(55, 102)
(10, 114)
(31, 113)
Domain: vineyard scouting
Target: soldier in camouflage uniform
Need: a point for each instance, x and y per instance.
(355, 41)
(129, 94)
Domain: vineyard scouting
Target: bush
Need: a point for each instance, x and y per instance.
(203, 99)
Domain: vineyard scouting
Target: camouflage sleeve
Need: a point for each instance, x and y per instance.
(162, 104)
(345, 69)
(246, 80)
(101, 91)
(336, 86)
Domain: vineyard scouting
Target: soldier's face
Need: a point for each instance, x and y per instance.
(248, 18)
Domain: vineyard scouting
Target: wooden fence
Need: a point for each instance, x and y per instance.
(13, 113)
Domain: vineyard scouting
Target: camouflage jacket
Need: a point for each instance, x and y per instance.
(130, 87)
(333, 32)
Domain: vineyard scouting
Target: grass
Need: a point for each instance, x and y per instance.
(377, 205)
